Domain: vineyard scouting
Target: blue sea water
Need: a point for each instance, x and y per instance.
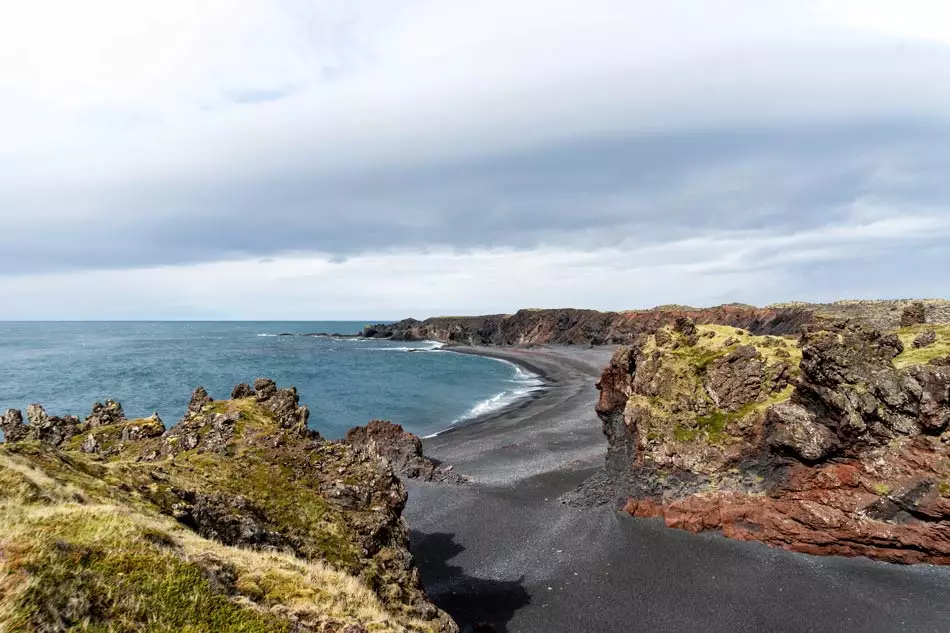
(154, 366)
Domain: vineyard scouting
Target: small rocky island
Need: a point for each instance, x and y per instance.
(237, 519)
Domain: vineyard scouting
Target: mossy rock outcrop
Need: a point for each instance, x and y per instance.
(693, 397)
(238, 519)
(836, 443)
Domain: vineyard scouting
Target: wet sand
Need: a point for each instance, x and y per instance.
(507, 552)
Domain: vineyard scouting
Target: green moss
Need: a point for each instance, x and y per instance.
(88, 545)
(881, 489)
(919, 356)
(680, 371)
(710, 428)
(944, 488)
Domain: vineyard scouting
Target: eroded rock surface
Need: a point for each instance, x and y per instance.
(403, 450)
(925, 339)
(590, 327)
(104, 414)
(839, 445)
(239, 500)
(584, 327)
(914, 314)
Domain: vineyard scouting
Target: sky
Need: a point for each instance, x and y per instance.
(295, 159)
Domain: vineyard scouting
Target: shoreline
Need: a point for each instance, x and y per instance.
(518, 403)
(508, 551)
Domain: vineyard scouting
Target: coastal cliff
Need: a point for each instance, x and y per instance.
(834, 442)
(591, 327)
(239, 518)
(582, 327)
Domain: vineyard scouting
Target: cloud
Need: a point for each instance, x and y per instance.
(748, 266)
(175, 137)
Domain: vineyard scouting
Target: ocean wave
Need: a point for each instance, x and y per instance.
(522, 376)
(528, 382)
(266, 334)
(424, 346)
(496, 403)
(526, 377)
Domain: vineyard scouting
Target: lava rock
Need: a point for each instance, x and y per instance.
(795, 428)
(925, 339)
(11, 423)
(199, 398)
(402, 449)
(105, 414)
(242, 390)
(265, 388)
(914, 314)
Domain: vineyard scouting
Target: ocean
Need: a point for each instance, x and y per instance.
(154, 366)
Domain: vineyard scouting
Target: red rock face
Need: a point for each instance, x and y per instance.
(856, 463)
(824, 510)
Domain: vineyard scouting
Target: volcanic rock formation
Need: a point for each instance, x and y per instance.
(836, 443)
(582, 327)
(402, 449)
(239, 518)
(590, 327)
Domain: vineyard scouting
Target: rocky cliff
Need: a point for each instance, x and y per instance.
(582, 327)
(237, 519)
(881, 314)
(832, 443)
(590, 327)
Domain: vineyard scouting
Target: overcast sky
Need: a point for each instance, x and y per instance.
(294, 159)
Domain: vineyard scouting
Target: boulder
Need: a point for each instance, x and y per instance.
(265, 388)
(242, 390)
(795, 428)
(914, 314)
(199, 398)
(736, 379)
(11, 423)
(283, 403)
(50, 429)
(925, 339)
(685, 326)
(143, 429)
(104, 414)
(402, 449)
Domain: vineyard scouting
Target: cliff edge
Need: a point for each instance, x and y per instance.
(239, 518)
(582, 327)
(591, 327)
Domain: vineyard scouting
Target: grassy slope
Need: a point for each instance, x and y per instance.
(86, 545)
(917, 356)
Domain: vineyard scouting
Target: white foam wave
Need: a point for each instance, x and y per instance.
(527, 383)
(526, 377)
(495, 403)
(266, 334)
(424, 346)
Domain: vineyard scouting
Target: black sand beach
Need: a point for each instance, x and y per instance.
(507, 552)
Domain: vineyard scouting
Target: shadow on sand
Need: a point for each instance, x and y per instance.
(478, 605)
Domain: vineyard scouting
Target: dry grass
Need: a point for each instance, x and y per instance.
(100, 566)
